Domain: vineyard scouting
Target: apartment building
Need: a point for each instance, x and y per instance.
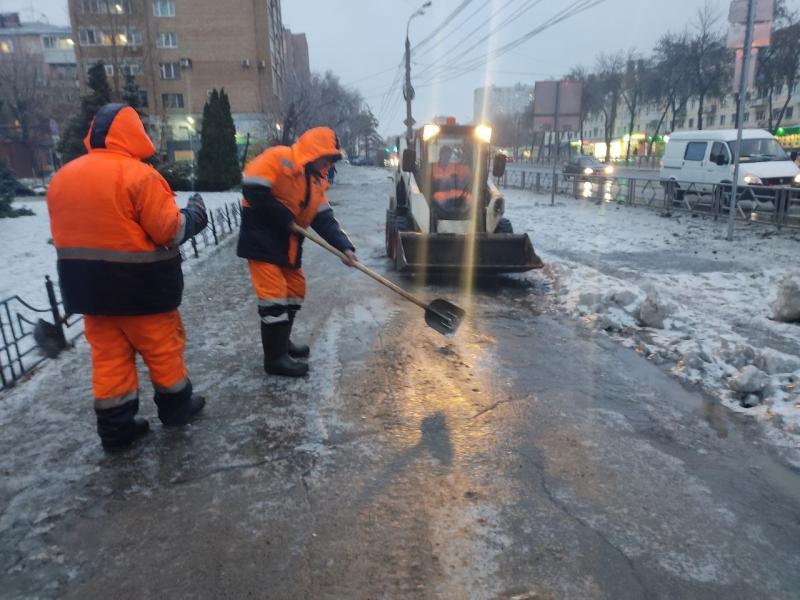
(296, 56)
(38, 72)
(179, 50)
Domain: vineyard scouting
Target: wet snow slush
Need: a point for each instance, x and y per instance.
(528, 457)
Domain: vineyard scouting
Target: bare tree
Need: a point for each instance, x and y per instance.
(709, 67)
(779, 64)
(633, 92)
(591, 95)
(610, 81)
(22, 94)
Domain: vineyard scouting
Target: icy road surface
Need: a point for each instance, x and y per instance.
(528, 457)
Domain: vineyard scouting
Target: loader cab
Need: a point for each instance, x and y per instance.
(451, 172)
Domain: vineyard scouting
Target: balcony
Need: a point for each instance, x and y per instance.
(57, 56)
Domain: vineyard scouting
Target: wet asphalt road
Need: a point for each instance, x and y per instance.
(525, 458)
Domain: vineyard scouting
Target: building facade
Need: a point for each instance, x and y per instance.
(718, 113)
(493, 101)
(178, 51)
(296, 56)
(39, 90)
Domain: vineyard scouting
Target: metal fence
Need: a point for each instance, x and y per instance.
(21, 322)
(768, 205)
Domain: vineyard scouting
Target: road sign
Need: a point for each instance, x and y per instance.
(764, 11)
(762, 35)
(557, 97)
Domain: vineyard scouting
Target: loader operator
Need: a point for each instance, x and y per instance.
(450, 183)
(282, 186)
(116, 229)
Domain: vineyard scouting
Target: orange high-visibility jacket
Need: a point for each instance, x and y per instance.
(115, 224)
(279, 188)
(450, 182)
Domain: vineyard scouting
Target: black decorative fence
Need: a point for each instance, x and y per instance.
(30, 334)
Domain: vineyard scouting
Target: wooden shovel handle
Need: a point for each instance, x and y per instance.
(367, 271)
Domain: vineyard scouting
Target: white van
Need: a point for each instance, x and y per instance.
(705, 159)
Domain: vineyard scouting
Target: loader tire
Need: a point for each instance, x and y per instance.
(390, 233)
(504, 226)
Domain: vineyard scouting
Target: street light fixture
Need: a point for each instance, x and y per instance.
(408, 90)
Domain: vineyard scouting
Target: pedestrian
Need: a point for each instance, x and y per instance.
(116, 229)
(331, 174)
(282, 186)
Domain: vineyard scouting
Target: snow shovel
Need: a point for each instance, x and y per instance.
(441, 315)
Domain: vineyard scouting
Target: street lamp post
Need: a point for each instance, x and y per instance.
(408, 90)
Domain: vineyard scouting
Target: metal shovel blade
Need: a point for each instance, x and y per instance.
(443, 316)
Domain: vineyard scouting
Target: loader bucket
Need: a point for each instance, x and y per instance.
(447, 252)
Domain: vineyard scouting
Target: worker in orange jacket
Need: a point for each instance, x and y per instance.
(116, 229)
(281, 186)
(450, 182)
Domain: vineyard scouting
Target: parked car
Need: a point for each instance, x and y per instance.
(701, 160)
(586, 166)
(359, 161)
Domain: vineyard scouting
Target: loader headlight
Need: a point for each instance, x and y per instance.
(588, 171)
(797, 179)
(483, 133)
(430, 131)
(608, 170)
(752, 180)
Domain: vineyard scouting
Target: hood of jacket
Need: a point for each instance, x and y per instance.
(117, 127)
(316, 143)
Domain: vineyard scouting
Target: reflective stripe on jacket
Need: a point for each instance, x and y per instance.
(279, 188)
(115, 223)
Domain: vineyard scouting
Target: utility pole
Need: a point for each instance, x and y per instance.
(558, 143)
(408, 90)
(748, 41)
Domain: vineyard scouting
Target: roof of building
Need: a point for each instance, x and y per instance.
(34, 28)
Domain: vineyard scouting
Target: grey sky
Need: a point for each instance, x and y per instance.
(357, 39)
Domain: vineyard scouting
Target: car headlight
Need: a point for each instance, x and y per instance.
(588, 171)
(608, 170)
(752, 180)
(797, 179)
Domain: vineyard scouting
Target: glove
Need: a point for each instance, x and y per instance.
(195, 215)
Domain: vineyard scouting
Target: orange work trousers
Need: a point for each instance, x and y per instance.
(279, 290)
(158, 338)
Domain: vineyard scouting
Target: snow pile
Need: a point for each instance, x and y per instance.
(677, 292)
(787, 305)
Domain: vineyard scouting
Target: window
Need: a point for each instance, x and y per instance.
(131, 69)
(104, 7)
(789, 113)
(691, 123)
(89, 36)
(109, 70)
(695, 151)
(759, 115)
(711, 119)
(56, 42)
(167, 40)
(143, 98)
(170, 70)
(718, 150)
(172, 100)
(746, 117)
(722, 119)
(776, 112)
(6, 47)
(163, 8)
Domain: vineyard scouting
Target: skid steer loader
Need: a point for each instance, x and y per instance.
(445, 214)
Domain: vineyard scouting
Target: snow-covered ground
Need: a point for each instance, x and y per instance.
(675, 290)
(28, 254)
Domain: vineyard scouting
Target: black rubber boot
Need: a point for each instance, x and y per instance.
(296, 350)
(176, 410)
(119, 427)
(275, 341)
